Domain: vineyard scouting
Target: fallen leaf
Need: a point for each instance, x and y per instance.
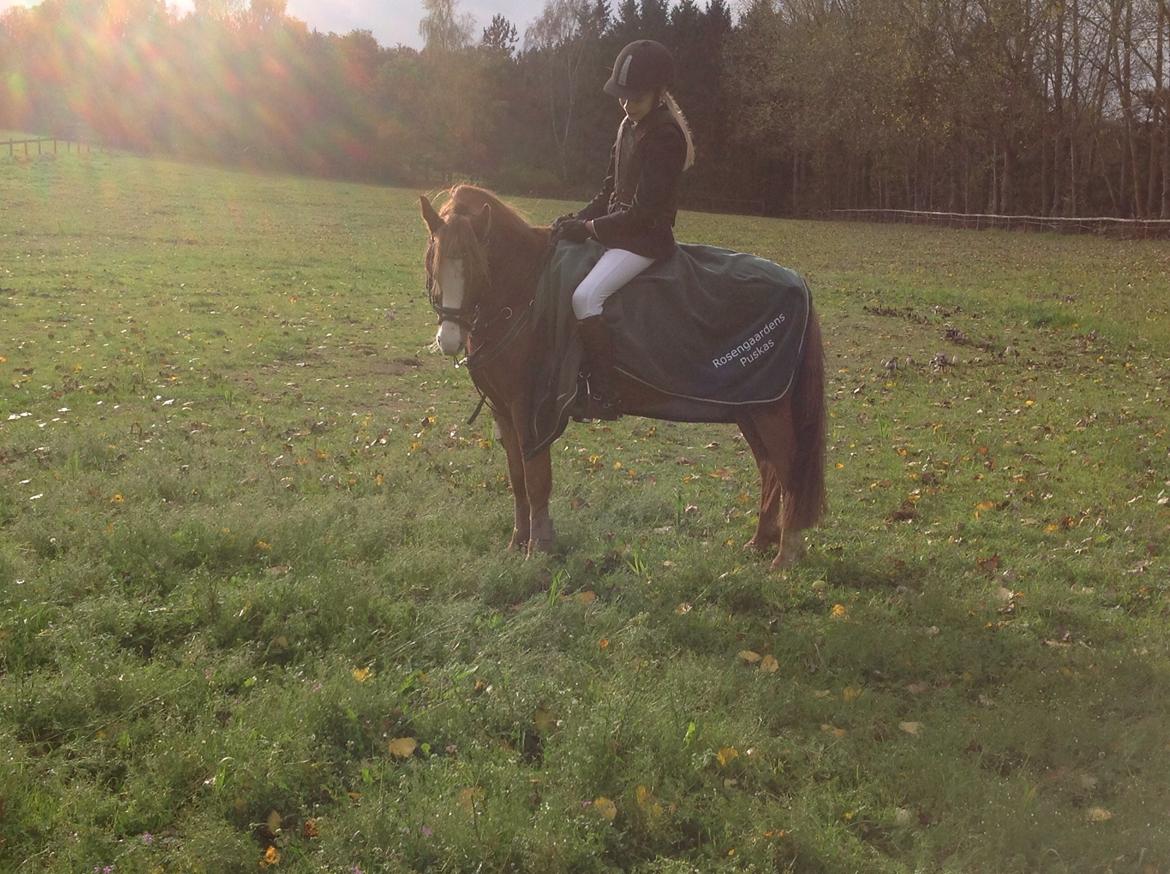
(361, 674)
(403, 747)
(833, 730)
(850, 694)
(273, 822)
(838, 611)
(748, 657)
(469, 797)
(271, 857)
(1098, 814)
(910, 727)
(726, 754)
(903, 817)
(605, 807)
(988, 565)
(769, 665)
(587, 597)
(683, 609)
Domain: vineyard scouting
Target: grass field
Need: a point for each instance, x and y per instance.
(255, 612)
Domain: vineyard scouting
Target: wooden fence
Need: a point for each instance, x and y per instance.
(1105, 225)
(44, 146)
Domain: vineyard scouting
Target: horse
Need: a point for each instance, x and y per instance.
(483, 261)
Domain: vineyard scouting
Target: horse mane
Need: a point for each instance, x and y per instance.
(514, 245)
(509, 222)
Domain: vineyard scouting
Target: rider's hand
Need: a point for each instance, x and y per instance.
(573, 230)
(567, 217)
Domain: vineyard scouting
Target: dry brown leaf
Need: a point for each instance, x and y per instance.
(469, 797)
(748, 657)
(769, 665)
(910, 727)
(989, 565)
(850, 694)
(726, 754)
(587, 597)
(403, 747)
(605, 807)
(1099, 814)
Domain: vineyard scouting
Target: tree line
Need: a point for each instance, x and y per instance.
(1042, 107)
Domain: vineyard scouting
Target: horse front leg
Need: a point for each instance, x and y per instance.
(521, 525)
(538, 480)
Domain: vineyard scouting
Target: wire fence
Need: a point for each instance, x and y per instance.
(1105, 225)
(40, 147)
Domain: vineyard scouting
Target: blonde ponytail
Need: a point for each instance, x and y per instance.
(672, 105)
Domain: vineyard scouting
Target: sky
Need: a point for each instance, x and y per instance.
(391, 21)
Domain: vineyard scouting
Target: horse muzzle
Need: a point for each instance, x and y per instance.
(450, 338)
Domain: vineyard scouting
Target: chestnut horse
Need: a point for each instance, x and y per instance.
(483, 262)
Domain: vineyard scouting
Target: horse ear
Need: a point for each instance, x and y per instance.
(434, 222)
(482, 221)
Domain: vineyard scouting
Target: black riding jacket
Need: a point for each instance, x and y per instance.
(638, 202)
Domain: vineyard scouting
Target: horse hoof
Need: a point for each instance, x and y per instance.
(536, 547)
(758, 546)
(788, 557)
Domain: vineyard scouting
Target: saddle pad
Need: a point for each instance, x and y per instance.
(707, 324)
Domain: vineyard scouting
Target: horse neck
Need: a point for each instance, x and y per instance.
(514, 261)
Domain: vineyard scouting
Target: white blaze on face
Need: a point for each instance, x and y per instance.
(451, 288)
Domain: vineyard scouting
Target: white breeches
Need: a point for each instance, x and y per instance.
(616, 268)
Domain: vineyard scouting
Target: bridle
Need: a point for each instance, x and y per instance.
(465, 316)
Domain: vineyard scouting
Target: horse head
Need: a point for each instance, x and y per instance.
(457, 269)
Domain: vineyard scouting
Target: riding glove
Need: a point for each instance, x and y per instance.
(556, 226)
(573, 230)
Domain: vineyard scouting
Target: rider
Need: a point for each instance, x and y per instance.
(633, 214)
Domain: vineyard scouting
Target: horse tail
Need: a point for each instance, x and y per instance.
(807, 477)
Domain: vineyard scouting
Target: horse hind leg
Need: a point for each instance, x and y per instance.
(767, 534)
(770, 434)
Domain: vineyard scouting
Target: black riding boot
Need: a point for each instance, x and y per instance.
(601, 404)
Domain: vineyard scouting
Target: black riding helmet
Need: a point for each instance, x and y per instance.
(641, 66)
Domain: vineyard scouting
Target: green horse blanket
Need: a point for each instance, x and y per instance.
(709, 328)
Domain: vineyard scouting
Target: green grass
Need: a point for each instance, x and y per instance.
(231, 476)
